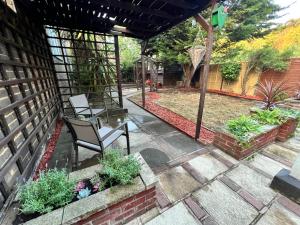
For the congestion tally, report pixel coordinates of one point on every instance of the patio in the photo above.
(51, 51)
(157, 141)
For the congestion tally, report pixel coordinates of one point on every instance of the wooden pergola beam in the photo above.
(181, 3)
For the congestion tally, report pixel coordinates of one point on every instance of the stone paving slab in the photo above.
(267, 165)
(177, 182)
(224, 205)
(182, 142)
(281, 152)
(255, 183)
(278, 215)
(208, 166)
(177, 215)
(292, 143)
(226, 156)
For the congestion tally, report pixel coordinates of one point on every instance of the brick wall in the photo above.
(124, 211)
(287, 129)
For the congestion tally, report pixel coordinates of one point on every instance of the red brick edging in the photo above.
(50, 148)
(123, 211)
(175, 120)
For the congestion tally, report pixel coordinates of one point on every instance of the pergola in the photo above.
(34, 87)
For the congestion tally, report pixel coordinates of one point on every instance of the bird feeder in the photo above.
(219, 16)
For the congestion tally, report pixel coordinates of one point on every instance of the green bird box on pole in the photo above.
(219, 16)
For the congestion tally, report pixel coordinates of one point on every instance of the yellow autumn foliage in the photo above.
(287, 36)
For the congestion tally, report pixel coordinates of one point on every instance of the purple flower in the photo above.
(96, 187)
(80, 185)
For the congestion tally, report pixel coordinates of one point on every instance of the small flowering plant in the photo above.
(80, 185)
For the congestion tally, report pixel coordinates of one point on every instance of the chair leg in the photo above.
(76, 155)
(107, 116)
(127, 139)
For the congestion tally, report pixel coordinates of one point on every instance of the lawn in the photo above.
(218, 108)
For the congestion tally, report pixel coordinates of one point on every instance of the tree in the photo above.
(266, 58)
(130, 51)
(250, 18)
(173, 45)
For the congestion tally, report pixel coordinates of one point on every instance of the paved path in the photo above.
(213, 188)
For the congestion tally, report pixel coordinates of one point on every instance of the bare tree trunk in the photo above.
(246, 78)
(187, 69)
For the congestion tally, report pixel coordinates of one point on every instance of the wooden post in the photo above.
(143, 80)
(143, 49)
(204, 70)
(118, 70)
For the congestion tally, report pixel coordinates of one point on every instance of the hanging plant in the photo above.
(230, 71)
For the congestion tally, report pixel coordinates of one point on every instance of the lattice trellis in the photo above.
(29, 99)
(85, 62)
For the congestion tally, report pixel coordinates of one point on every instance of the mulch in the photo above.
(178, 121)
(50, 148)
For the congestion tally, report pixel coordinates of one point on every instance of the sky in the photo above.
(293, 12)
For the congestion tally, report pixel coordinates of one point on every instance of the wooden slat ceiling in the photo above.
(136, 18)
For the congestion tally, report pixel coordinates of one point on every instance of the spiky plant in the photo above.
(271, 92)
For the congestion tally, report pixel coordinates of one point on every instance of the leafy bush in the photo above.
(51, 190)
(272, 117)
(271, 92)
(119, 169)
(230, 71)
(242, 127)
(290, 113)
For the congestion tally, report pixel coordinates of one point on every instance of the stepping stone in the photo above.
(178, 215)
(278, 215)
(208, 166)
(224, 205)
(253, 182)
(267, 165)
(281, 152)
(177, 182)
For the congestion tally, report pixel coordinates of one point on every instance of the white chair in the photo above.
(81, 107)
(87, 135)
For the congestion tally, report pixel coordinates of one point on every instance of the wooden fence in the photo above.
(291, 78)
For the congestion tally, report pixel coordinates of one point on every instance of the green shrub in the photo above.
(242, 127)
(230, 71)
(50, 191)
(271, 117)
(290, 113)
(119, 169)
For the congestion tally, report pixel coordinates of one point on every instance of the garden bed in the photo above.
(116, 205)
(229, 144)
(217, 110)
(244, 135)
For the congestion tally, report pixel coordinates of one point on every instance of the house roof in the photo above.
(135, 18)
